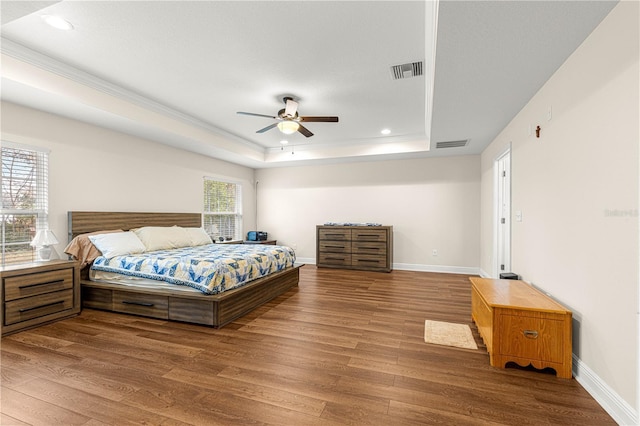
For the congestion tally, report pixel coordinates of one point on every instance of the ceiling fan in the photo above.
(289, 120)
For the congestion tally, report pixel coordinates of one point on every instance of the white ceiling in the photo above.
(178, 71)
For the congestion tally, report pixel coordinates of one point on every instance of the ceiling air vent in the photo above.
(452, 144)
(412, 69)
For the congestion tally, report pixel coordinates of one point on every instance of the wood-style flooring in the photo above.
(345, 347)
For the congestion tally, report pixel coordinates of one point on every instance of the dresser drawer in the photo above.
(532, 338)
(335, 259)
(37, 306)
(369, 248)
(335, 246)
(334, 234)
(38, 283)
(368, 262)
(369, 235)
(149, 305)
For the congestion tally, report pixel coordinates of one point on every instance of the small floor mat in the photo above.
(449, 334)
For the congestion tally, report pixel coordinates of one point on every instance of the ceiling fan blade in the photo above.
(320, 119)
(256, 115)
(291, 107)
(304, 131)
(269, 127)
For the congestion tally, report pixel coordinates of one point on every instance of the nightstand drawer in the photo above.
(148, 305)
(37, 306)
(37, 283)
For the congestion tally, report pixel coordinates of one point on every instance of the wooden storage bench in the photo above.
(520, 324)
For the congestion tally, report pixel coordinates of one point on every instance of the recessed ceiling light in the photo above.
(284, 142)
(385, 131)
(57, 22)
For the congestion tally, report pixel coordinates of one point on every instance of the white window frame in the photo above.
(39, 209)
(228, 223)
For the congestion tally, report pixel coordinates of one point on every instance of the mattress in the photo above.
(210, 269)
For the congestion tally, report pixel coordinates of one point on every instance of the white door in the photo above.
(503, 214)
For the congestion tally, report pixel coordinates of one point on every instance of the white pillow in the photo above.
(117, 244)
(198, 236)
(163, 237)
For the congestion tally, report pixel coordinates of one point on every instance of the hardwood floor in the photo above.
(345, 347)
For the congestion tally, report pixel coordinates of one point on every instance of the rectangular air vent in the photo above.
(452, 144)
(412, 69)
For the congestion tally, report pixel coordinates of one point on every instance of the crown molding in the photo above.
(22, 53)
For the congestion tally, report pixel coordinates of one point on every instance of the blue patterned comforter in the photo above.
(212, 268)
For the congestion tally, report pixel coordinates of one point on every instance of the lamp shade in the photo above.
(44, 238)
(288, 127)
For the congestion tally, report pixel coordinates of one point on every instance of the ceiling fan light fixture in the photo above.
(288, 127)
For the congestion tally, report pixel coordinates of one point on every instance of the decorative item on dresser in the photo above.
(355, 247)
(36, 293)
(520, 324)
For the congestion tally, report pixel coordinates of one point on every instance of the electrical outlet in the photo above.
(549, 114)
(434, 252)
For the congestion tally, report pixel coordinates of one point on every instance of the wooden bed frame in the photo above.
(199, 308)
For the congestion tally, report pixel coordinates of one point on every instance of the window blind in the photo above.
(24, 202)
(222, 208)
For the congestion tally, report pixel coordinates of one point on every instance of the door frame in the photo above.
(501, 242)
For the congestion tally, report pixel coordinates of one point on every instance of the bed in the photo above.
(169, 301)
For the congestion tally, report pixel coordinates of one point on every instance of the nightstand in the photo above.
(36, 293)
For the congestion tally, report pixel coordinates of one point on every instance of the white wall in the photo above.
(94, 169)
(431, 204)
(569, 185)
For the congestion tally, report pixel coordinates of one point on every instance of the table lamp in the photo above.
(43, 241)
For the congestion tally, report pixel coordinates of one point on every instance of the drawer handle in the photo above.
(368, 260)
(370, 248)
(23, 310)
(334, 258)
(129, 302)
(530, 334)
(338, 247)
(334, 235)
(37, 284)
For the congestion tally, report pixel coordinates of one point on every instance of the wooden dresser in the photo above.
(355, 247)
(520, 324)
(36, 293)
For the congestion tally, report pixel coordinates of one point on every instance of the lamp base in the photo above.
(44, 253)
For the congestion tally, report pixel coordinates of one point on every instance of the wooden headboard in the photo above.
(83, 222)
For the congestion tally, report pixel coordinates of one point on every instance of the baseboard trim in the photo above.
(619, 409)
(305, 261)
(467, 270)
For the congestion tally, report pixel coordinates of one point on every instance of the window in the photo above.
(222, 208)
(23, 206)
